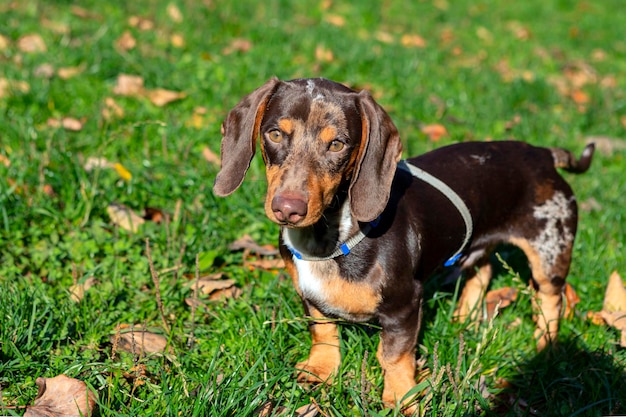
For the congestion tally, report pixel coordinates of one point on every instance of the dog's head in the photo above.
(316, 136)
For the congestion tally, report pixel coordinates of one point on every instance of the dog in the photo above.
(361, 229)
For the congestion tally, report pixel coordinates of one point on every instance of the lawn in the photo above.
(113, 107)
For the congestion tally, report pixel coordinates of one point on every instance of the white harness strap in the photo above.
(450, 195)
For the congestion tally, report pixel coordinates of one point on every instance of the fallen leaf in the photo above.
(174, 13)
(4, 42)
(616, 319)
(77, 291)
(122, 171)
(62, 396)
(5, 160)
(413, 41)
(177, 40)
(211, 157)
(323, 54)
(384, 37)
(141, 23)
(155, 215)
(9, 87)
(160, 97)
(434, 132)
(615, 295)
(96, 162)
(247, 243)
(129, 85)
(31, 43)
(111, 109)
(124, 217)
(83, 13)
(126, 42)
(500, 298)
(580, 97)
(70, 123)
(571, 299)
(308, 410)
(237, 45)
(335, 20)
(216, 286)
(69, 72)
(134, 339)
(595, 317)
(265, 264)
(607, 146)
(44, 71)
(590, 204)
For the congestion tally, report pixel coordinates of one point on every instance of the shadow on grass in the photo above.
(567, 380)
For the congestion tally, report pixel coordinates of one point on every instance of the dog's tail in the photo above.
(566, 160)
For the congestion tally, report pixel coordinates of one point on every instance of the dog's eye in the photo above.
(336, 146)
(275, 136)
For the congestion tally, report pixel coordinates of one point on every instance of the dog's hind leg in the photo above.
(549, 254)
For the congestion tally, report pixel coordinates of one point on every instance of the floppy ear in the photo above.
(240, 131)
(380, 152)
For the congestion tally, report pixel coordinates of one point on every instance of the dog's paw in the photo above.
(316, 372)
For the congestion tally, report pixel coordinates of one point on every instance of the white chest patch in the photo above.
(555, 236)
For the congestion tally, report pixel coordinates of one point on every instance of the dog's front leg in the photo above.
(396, 353)
(325, 357)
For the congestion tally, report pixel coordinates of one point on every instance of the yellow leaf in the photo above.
(69, 72)
(122, 171)
(32, 43)
(415, 41)
(160, 97)
(174, 13)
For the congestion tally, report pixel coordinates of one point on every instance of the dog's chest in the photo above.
(321, 283)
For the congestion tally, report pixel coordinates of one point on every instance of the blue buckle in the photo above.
(452, 260)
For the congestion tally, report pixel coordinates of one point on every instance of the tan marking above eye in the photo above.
(336, 146)
(275, 135)
(286, 125)
(328, 134)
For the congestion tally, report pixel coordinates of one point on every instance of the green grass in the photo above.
(489, 70)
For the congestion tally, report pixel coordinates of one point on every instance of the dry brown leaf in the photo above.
(4, 42)
(571, 299)
(124, 217)
(177, 40)
(111, 109)
(247, 243)
(413, 41)
(335, 20)
(323, 54)
(69, 72)
(5, 160)
(70, 123)
(308, 410)
(608, 146)
(434, 132)
(129, 85)
(8, 87)
(211, 157)
(615, 295)
(265, 264)
(141, 23)
(174, 13)
(62, 396)
(94, 162)
(126, 42)
(135, 340)
(216, 286)
(616, 319)
(384, 37)
(45, 70)
(160, 97)
(500, 298)
(31, 43)
(595, 317)
(269, 409)
(77, 291)
(237, 45)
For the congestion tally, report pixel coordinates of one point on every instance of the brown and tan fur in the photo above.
(331, 155)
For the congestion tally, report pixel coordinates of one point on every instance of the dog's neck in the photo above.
(336, 225)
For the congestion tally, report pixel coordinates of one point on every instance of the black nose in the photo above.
(289, 208)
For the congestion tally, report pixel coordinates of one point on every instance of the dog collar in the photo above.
(343, 249)
(450, 195)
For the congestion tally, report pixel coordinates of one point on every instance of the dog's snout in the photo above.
(289, 208)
